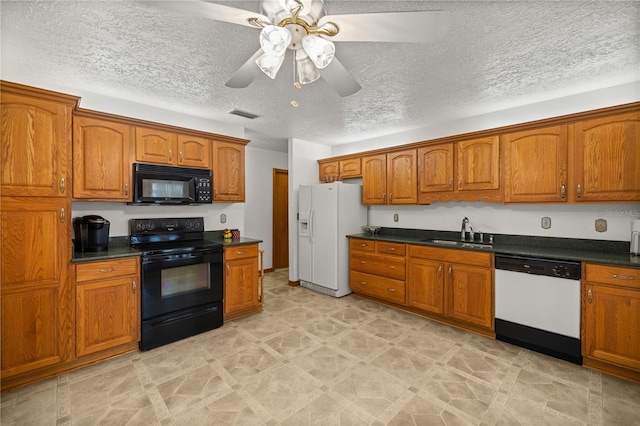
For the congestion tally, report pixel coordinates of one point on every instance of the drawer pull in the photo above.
(362, 283)
(623, 277)
(590, 295)
(391, 290)
(241, 252)
(391, 248)
(362, 262)
(391, 267)
(363, 245)
(112, 269)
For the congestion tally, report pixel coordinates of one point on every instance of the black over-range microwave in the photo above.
(154, 184)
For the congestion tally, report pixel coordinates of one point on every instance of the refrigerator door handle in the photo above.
(311, 226)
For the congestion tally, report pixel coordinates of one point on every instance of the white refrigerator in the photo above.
(327, 213)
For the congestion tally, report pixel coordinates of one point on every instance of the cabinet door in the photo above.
(374, 179)
(37, 305)
(228, 171)
(194, 151)
(350, 168)
(401, 177)
(101, 167)
(435, 168)
(36, 146)
(328, 168)
(155, 146)
(607, 158)
(535, 165)
(107, 314)
(469, 296)
(241, 285)
(612, 325)
(478, 164)
(425, 284)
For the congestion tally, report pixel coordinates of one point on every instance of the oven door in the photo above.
(172, 282)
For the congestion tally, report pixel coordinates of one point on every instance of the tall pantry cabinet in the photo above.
(36, 292)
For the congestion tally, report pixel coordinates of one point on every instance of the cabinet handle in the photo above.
(362, 282)
(623, 277)
(440, 270)
(134, 286)
(450, 183)
(228, 269)
(181, 156)
(62, 185)
(590, 295)
(450, 272)
(126, 189)
(391, 290)
(362, 262)
(563, 191)
(391, 197)
(170, 155)
(112, 269)
(241, 252)
(391, 248)
(363, 245)
(62, 215)
(460, 183)
(384, 197)
(579, 191)
(391, 267)
(215, 193)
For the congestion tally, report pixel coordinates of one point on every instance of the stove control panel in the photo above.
(159, 226)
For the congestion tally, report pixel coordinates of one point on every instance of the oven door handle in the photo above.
(170, 257)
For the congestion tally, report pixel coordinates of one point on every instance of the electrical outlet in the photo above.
(601, 225)
(546, 222)
(396, 217)
(223, 218)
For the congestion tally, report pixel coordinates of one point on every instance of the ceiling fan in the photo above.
(304, 27)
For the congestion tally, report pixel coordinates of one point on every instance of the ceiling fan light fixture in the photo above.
(305, 68)
(269, 64)
(274, 40)
(320, 51)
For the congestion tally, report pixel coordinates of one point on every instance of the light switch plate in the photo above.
(601, 225)
(546, 222)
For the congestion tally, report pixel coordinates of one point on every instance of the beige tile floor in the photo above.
(312, 359)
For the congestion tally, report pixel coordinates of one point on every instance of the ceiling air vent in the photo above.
(245, 114)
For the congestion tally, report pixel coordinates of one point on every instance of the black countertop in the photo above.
(580, 250)
(119, 247)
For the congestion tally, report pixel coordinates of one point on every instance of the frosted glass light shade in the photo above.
(320, 51)
(269, 64)
(274, 40)
(307, 71)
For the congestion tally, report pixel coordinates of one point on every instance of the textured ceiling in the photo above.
(496, 55)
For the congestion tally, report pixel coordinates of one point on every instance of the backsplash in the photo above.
(567, 221)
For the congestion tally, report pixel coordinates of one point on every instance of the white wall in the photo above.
(258, 214)
(303, 170)
(567, 221)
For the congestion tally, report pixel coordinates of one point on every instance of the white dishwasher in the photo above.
(537, 305)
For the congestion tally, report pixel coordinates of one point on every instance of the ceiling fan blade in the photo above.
(208, 10)
(246, 73)
(403, 27)
(336, 75)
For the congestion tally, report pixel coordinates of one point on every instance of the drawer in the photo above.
(241, 252)
(107, 269)
(386, 266)
(390, 248)
(382, 288)
(611, 274)
(361, 245)
(465, 257)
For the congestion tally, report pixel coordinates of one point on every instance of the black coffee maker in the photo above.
(91, 233)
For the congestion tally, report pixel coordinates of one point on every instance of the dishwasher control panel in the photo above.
(539, 266)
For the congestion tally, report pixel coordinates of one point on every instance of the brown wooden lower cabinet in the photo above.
(107, 305)
(241, 281)
(451, 286)
(611, 319)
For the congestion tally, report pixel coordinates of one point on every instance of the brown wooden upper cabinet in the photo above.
(390, 178)
(101, 160)
(164, 147)
(535, 165)
(347, 168)
(228, 171)
(464, 170)
(607, 159)
(35, 122)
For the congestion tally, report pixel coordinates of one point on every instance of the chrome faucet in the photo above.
(463, 232)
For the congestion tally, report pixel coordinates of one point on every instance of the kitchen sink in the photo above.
(458, 243)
